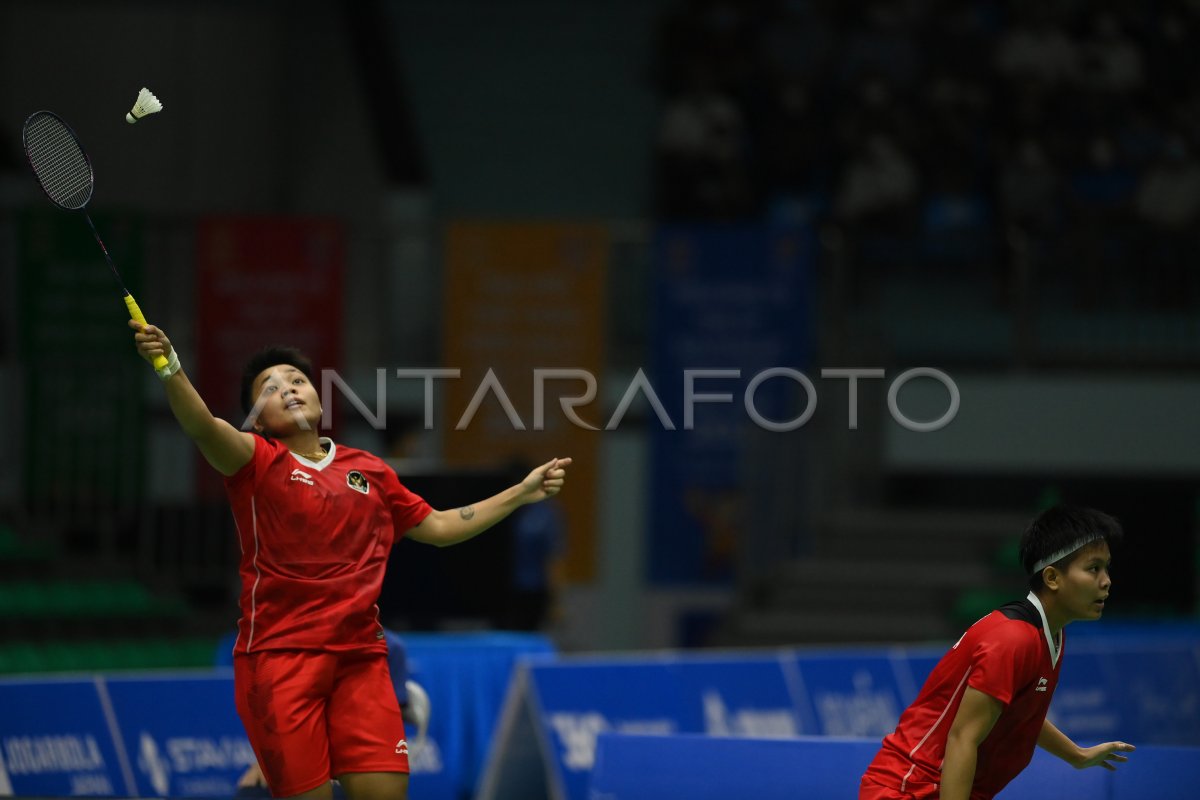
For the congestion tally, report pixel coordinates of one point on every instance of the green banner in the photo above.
(83, 381)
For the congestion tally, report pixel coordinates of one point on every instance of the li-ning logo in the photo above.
(1041, 687)
(402, 748)
(356, 481)
(300, 475)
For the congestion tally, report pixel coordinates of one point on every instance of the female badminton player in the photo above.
(974, 725)
(316, 521)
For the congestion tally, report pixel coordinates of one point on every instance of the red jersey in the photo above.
(1009, 655)
(315, 539)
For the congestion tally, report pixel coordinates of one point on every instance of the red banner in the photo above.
(263, 281)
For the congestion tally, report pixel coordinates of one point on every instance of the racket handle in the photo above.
(136, 315)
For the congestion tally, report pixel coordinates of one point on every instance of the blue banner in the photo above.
(579, 700)
(465, 676)
(647, 767)
(55, 741)
(1138, 691)
(730, 304)
(183, 734)
(1145, 692)
(851, 694)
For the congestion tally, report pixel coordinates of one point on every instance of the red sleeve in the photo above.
(1002, 662)
(264, 451)
(408, 509)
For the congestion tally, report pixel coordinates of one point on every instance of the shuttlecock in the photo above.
(146, 105)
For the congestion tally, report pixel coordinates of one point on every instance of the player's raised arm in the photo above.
(224, 447)
(977, 714)
(443, 528)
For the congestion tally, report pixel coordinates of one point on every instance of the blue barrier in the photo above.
(672, 694)
(55, 740)
(182, 733)
(466, 676)
(633, 767)
(178, 734)
(1146, 691)
(134, 735)
(646, 767)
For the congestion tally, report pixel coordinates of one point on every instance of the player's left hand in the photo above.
(1105, 755)
(545, 481)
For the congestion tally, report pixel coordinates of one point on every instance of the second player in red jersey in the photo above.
(982, 711)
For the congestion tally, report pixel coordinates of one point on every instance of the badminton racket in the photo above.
(65, 174)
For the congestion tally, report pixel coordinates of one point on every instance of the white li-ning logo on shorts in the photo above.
(402, 748)
(1041, 687)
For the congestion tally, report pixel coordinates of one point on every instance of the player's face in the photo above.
(287, 401)
(1086, 583)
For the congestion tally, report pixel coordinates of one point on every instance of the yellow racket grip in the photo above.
(136, 315)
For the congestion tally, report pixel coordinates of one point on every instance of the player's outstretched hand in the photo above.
(151, 341)
(545, 481)
(1106, 755)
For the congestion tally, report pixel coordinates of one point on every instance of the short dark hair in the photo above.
(269, 357)
(1059, 527)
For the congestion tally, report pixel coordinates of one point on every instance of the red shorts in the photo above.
(869, 790)
(312, 715)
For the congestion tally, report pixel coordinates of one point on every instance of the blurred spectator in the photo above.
(703, 163)
(1037, 49)
(1030, 188)
(879, 185)
(1168, 200)
(922, 127)
(1109, 61)
(1169, 194)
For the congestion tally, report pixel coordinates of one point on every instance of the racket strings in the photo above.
(58, 161)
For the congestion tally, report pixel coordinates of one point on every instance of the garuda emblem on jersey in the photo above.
(357, 481)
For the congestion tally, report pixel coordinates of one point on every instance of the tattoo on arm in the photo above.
(467, 512)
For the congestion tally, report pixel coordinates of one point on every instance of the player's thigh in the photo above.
(366, 731)
(322, 792)
(282, 701)
(375, 785)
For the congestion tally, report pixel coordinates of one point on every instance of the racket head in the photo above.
(58, 161)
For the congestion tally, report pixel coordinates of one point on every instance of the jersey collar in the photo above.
(330, 448)
(1055, 646)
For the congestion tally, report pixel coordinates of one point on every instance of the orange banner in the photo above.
(524, 322)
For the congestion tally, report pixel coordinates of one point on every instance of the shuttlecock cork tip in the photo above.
(145, 105)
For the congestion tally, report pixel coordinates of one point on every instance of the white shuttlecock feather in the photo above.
(146, 105)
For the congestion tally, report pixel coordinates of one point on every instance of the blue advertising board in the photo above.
(642, 767)
(56, 741)
(1137, 691)
(465, 676)
(182, 733)
(649, 767)
(575, 701)
(851, 694)
(1143, 691)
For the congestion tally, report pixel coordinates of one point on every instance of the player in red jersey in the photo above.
(974, 725)
(316, 522)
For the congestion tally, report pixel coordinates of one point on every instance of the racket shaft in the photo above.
(136, 315)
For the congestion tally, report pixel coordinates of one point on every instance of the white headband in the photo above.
(1066, 551)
